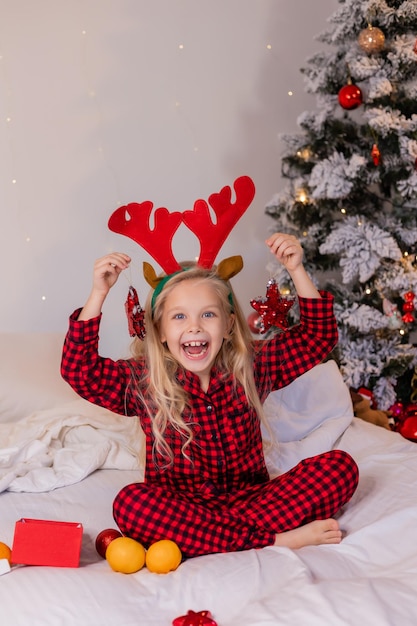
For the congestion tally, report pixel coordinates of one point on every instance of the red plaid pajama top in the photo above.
(220, 498)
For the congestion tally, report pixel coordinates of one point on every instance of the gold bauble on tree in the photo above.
(371, 39)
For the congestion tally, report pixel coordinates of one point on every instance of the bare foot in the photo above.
(313, 534)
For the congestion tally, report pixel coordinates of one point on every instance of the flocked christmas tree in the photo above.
(350, 191)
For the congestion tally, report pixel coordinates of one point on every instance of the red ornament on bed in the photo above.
(408, 428)
(104, 539)
(273, 308)
(202, 618)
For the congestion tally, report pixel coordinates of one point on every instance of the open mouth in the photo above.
(195, 349)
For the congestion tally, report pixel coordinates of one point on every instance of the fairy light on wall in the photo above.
(185, 120)
(9, 123)
(91, 93)
(91, 112)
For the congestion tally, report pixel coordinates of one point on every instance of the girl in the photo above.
(197, 383)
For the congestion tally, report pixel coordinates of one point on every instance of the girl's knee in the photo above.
(348, 465)
(346, 470)
(339, 466)
(127, 506)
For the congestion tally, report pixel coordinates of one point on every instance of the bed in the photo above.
(64, 459)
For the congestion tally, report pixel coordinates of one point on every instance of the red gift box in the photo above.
(45, 542)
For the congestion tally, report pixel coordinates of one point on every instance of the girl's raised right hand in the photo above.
(107, 270)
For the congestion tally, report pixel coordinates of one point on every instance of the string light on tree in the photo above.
(305, 154)
(301, 196)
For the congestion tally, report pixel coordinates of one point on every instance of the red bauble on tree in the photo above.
(255, 323)
(408, 307)
(405, 417)
(350, 96)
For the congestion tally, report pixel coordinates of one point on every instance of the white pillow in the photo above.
(30, 378)
(306, 417)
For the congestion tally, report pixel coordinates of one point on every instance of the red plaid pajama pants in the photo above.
(316, 488)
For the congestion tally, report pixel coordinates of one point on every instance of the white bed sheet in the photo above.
(369, 579)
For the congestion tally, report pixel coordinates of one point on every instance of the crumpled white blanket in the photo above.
(61, 446)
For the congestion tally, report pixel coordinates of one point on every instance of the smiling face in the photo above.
(194, 325)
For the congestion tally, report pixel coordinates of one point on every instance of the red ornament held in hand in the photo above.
(273, 309)
(135, 314)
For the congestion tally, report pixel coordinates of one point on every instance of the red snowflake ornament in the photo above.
(273, 308)
(135, 314)
(202, 618)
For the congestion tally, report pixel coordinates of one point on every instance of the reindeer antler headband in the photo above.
(132, 220)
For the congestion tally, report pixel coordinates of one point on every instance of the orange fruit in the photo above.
(5, 552)
(163, 556)
(125, 555)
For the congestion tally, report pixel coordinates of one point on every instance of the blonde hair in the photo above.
(164, 398)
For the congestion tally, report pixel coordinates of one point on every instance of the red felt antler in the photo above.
(132, 220)
(212, 235)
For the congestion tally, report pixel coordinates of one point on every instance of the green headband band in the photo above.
(161, 285)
